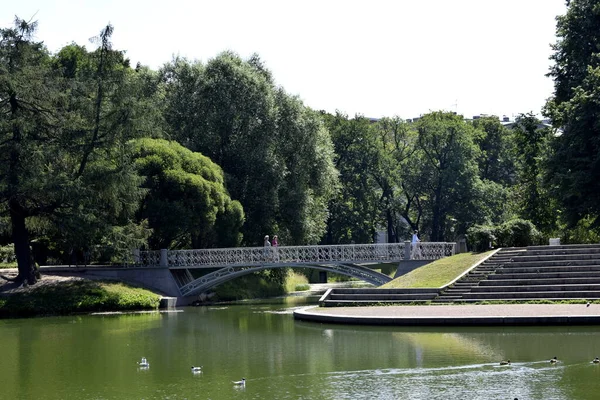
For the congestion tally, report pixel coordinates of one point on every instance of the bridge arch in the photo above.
(226, 274)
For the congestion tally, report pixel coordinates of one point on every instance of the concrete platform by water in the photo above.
(455, 315)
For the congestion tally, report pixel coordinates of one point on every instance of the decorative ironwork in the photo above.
(342, 259)
(248, 256)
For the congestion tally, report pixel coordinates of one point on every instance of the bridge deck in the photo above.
(294, 255)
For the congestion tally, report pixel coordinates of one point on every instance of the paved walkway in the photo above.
(495, 314)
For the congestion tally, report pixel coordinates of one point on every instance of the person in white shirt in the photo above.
(415, 247)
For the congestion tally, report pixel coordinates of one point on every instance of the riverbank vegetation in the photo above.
(77, 296)
(437, 273)
(101, 157)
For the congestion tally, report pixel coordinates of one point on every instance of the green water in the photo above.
(94, 357)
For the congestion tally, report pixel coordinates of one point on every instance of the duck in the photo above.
(553, 360)
(596, 360)
(240, 383)
(144, 363)
(503, 362)
(196, 369)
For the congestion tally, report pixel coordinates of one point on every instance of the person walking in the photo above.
(267, 248)
(275, 248)
(415, 246)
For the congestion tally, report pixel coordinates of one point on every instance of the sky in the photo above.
(376, 58)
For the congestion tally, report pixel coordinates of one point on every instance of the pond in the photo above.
(95, 357)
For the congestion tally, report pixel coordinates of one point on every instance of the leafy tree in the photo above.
(62, 129)
(186, 200)
(533, 202)
(354, 212)
(400, 208)
(306, 165)
(274, 152)
(574, 166)
(496, 158)
(447, 171)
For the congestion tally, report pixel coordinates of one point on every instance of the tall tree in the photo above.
(62, 130)
(354, 211)
(447, 170)
(533, 202)
(274, 152)
(574, 167)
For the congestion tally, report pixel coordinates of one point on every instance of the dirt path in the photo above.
(7, 288)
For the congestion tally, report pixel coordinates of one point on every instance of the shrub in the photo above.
(480, 237)
(517, 233)
(7, 254)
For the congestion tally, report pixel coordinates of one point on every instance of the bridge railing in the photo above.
(248, 256)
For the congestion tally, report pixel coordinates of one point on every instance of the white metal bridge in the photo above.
(229, 263)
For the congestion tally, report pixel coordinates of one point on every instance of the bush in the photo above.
(517, 233)
(7, 255)
(480, 237)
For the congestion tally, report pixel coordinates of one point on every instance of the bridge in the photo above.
(226, 264)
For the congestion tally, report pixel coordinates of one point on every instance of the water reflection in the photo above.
(95, 357)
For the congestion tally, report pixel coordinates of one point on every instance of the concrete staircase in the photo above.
(339, 297)
(531, 273)
(512, 274)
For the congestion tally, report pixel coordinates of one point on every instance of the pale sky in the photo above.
(375, 58)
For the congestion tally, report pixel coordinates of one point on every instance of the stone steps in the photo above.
(514, 274)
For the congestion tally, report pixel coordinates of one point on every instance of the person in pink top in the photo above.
(275, 243)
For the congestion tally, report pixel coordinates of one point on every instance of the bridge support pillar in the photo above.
(164, 260)
(407, 250)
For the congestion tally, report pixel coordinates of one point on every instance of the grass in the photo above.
(296, 282)
(437, 273)
(78, 297)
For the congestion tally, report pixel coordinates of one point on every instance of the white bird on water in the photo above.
(240, 383)
(196, 369)
(144, 363)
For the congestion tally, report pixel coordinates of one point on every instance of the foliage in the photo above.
(481, 237)
(252, 286)
(186, 198)
(532, 199)
(65, 173)
(573, 169)
(7, 254)
(296, 282)
(447, 168)
(580, 233)
(275, 153)
(437, 273)
(517, 233)
(354, 210)
(76, 297)
(496, 158)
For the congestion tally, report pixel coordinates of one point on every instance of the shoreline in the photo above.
(455, 315)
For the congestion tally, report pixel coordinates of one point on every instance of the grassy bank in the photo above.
(437, 273)
(78, 296)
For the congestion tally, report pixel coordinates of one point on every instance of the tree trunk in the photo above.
(20, 238)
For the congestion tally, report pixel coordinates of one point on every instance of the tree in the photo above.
(354, 211)
(400, 208)
(447, 170)
(186, 202)
(63, 126)
(274, 151)
(533, 203)
(573, 169)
